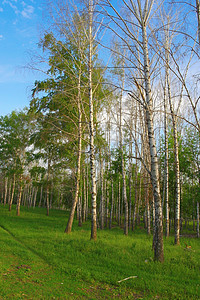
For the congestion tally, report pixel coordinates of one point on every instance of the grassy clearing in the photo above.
(39, 261)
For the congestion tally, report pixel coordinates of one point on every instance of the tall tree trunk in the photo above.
(166, 164)
(9, 191)
(148, 218)
(158, 246)
(78, 172)
(35, 197)
(136, 190)
(176, 156)
(41, 192)
(91, 125)
(5, 190)
(79, 208)
(130, 176)
(112, 205)
(19, 195)
(177, 174)
(107, 203)
(102, 205)
(124, 193)
(198, 219)
(47, 195)
(119, 203)
(12, 193)
(51, 197)
(85, 196)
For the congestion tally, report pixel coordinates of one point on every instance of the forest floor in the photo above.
(39, 261)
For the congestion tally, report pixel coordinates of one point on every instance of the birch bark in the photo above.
(91, 126)
(78, 172)
(5, 190)
(198, 219)
(12, 193)
(158, 246)
(19, 196)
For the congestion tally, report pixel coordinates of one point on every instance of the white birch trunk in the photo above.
(19, 196)
(5, 190)
(177, 172)
(12, 193)
(35, 197)
(166, 164)
(198, 219)
(91, 125)
(85, 196)
(119, 203)
(112, 206)
(41, 192)
(158, 246)
(78, 172)
(102, 204)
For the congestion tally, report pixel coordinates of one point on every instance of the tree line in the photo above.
(112, 132)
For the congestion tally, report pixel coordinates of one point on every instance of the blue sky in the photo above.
(19, 34)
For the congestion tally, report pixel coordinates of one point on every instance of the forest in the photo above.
(112, 133)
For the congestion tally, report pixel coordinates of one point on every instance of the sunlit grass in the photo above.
(40, 261)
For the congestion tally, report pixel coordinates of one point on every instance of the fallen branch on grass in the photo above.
(127, 278)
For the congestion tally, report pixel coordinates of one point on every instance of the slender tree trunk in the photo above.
(136, 192)
(166, 164)
(87, 192)
(124, 193)
(112, 205)
(198, 219)
(41, 192)
(5, 190)
(19, 196)
(51, 197)
(78, 173)
(107, 203)
(119, 203)
(177, 174)
(35, 197)
(176, 156)
(47, 200)
(9, 192)
(12, 193)
(91, 125)
(47, 195)
(79, 208)
(102, 204)
(85, 196)
(139, 200)
(130, 177)
(158, 246)
(148, 218)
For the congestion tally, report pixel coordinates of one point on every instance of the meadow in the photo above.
(39, 261)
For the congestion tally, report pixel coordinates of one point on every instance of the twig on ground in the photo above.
(127, 278)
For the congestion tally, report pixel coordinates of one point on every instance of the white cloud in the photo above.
(21, 8)
(1, 9)
(1, 36)
(14, 7)
(27, 11)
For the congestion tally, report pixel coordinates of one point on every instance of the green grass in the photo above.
(39, 261)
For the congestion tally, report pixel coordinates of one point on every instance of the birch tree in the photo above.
(140, 12)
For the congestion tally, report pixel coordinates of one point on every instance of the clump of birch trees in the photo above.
(112, 133)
